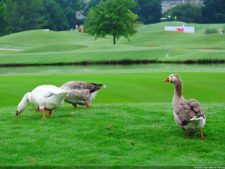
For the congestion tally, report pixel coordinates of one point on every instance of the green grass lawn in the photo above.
(109, 134)
(129, 124)
(150, 42)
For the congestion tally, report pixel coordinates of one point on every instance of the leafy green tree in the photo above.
(93, 3)
(186, 12)
(112, 17)
(24, 14)
(90, 4)
(69, 8)
(3, 17)
(56, 18)
(214, 11)
(20, 15)
(61, 14)
(149, 11)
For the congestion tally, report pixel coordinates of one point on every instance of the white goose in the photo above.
(45, 97)
(188, 114)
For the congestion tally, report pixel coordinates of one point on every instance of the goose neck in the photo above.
(178, 89)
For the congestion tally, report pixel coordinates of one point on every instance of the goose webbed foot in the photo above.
(50, 113)
(201, 134)
(189, 132)
(87, 104)
(37, 110)
(74, 106)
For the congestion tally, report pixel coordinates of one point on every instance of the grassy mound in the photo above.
(151, 43)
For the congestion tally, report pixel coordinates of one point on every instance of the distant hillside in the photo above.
(150, 43)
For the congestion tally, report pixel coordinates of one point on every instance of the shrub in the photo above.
(211, 31)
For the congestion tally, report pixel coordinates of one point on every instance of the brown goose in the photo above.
(187, 113)
(81, 93)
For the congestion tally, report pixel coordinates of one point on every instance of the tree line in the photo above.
(21, 15)
(213, 11)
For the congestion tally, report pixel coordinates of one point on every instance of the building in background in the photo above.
(167, 4)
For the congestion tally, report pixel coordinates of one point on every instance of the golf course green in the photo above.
(150, 42)
(130, 123)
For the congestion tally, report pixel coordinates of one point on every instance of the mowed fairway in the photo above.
(150, 42)
(129, 124)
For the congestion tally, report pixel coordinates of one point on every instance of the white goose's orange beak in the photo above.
(167, 80)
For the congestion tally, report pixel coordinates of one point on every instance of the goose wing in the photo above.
(78, 96)
(189, 110)
(47, 90)
(92, 87)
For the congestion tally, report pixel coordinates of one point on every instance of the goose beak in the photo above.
(167, 80)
